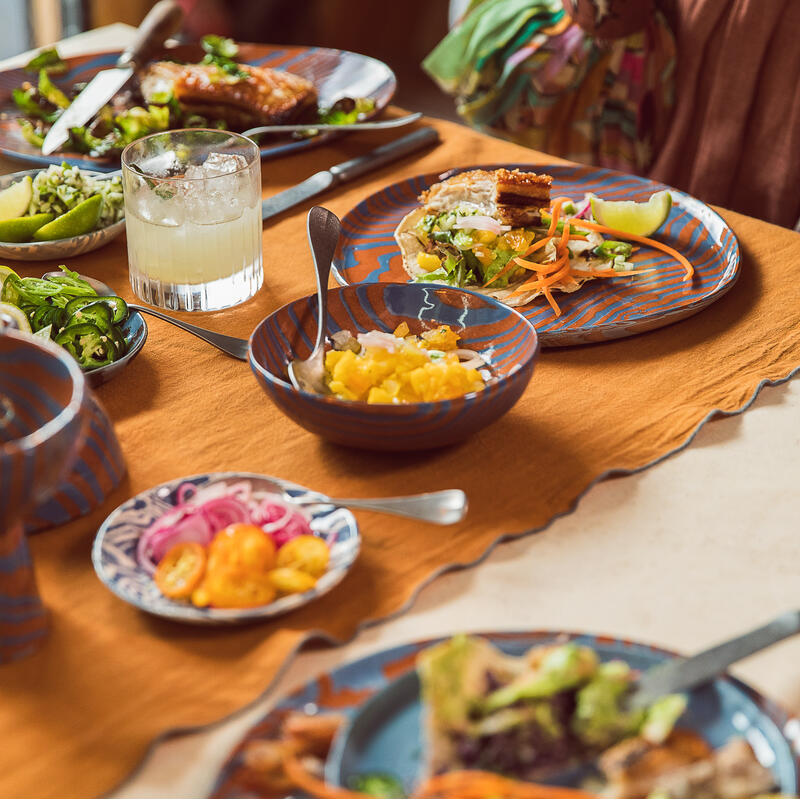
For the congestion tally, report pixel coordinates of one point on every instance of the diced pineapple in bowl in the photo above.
(408, 367)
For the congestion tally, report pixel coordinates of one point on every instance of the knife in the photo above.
(162, 21)
(348, 170)
(680, 674)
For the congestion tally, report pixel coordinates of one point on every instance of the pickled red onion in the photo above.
(201, 513)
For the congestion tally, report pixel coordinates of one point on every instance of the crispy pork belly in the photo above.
(512, 197)
(266, 97)
(684, 766)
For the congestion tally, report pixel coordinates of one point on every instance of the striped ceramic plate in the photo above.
(335, 73)
(380, 702)
(601, 309)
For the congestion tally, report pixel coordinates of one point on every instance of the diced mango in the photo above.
(402, 330)
(404, 375)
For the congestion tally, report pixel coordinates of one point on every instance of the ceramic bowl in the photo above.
(42, 392)
(59, 248)
(499, 333)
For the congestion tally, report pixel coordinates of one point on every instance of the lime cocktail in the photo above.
(193, 218)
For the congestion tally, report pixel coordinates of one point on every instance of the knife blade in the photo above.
(348, 170)
(681, 674)
(162, 21)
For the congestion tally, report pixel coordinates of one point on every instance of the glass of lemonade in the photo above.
(193, 218)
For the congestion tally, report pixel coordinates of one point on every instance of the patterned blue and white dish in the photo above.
(114, 553)
(59, 248)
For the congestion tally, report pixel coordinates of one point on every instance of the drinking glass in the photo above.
(193, 218)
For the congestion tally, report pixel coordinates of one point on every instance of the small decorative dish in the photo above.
(504, 340)
(121, 558)
(57, 248)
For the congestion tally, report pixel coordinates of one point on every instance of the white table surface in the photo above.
(697, 549)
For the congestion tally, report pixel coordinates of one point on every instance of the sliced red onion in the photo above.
(583, 207)
(201, 513)
(479, 222)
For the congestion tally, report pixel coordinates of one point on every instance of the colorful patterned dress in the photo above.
(588, 80)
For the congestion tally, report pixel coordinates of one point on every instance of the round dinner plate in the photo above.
(114, 552)
(383, 734)
(601, 309)
(334, 73)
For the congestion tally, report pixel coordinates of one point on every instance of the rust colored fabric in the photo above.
(734, 139)
(76, 717)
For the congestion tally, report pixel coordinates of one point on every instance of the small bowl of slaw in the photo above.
(498, 335)
(58, 189)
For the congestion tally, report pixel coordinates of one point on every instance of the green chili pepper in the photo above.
(97, 313)
(117, 305)
(88, 345)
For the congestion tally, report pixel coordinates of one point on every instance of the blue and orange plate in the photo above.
(379, 696)
(602, 309)
(334, 73)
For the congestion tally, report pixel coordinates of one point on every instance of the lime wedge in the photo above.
(82, 219)
(14, 200)
(641, 219)
(17, 316)
(22, 229)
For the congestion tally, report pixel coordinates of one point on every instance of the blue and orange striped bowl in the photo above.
(42, 392)
(499, 333)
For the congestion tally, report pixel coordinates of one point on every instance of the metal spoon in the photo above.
(231, 345)
(441, 508)
(353, 126)
(324, 230)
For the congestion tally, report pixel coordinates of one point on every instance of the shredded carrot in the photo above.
(560, 270)
(478, 784)
(556, 214)
(536, 246)
(665, 248)
(550, 299)
(550, 272)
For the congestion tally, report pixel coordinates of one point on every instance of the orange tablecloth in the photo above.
(76, 717)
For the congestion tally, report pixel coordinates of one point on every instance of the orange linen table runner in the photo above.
(77, 717)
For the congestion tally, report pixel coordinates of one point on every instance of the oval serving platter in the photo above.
(335, 74)
(114, 553)
(601, 309)
(381, 701)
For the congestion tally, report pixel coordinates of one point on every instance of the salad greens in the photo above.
(68, 310)
(459, 255)
(221, 52)
(541, 710)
